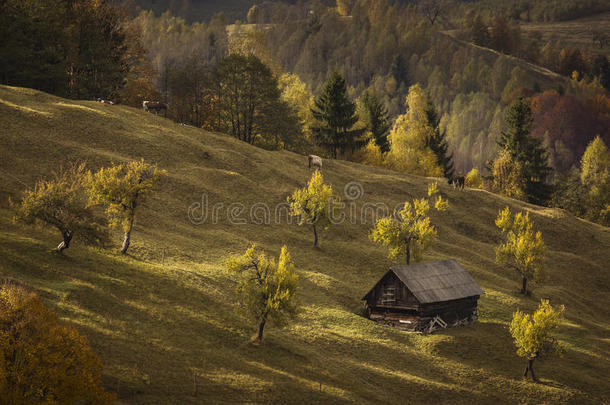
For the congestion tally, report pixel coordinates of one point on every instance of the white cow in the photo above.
(315, 162)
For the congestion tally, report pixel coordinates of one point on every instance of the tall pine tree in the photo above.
(437, 142)
(527, 150)
(336, 115)
(399, 69)
(377, 121)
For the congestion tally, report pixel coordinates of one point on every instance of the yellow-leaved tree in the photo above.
(266, 290)
(508, 177)
(62, 203)
(43, 360)
(312, 204)
(298, 96)
(409, 230)
(521, 248)
(534, 335)
(595, 177)
(122, 189)
(408, 151)
(473, 179)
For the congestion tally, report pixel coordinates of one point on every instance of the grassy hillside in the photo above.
(575, 33)
(169, 333)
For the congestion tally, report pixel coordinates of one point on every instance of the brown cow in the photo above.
(155, 106)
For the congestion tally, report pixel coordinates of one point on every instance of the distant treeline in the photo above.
(539, 10)
(203, 10)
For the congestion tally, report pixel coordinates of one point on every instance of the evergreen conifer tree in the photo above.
(398, 69)
(437, 142)
(377, 121)
(527, 150)
(336, 115)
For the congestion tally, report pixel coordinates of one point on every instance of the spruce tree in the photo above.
(437, 142)
(336, 115)
(527, 150)
(601, 70)
(377, 121)
(398, 69)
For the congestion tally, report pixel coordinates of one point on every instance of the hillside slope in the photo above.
(580, 33)
(169, 333)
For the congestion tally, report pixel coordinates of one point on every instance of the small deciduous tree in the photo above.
(248, 101)
(409, 150)
(41, 359)
(409, 230)
(433, 9)
(267, 290)
(253, 14)
(534, 334)
(473, 179)
(122, 189)
(344, 7)
(312, 203)
(521, 247)
(297, 95)
(595, 179)
(62, 203)
(508, 176)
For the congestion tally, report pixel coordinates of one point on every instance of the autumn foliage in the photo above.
(41, 359)
(567, 125)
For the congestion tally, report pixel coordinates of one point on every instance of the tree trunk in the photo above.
(315, 236)
(67, 235)
(530, 368)
(408, 252)
(523, 285)
(261, 327)
(127, 239)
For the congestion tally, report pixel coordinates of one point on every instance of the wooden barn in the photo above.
(424, 296)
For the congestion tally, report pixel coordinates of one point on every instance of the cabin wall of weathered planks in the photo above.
(406, 313)
(450, 311)
(391, 292)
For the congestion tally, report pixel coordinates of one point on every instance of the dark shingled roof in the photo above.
(443, 280)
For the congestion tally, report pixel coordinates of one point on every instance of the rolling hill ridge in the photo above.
(162, 318)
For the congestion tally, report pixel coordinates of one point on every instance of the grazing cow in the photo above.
(155, 106)
(315, 162)
(100, 100)
(457, 182)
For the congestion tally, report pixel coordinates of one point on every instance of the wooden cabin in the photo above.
(424, 296)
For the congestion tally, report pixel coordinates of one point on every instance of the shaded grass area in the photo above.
(170, 333)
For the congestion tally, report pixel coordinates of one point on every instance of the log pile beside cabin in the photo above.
(424, 296)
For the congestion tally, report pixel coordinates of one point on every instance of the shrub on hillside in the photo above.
(41, 359)
(473, 179)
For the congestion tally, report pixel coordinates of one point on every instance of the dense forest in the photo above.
(525, 10)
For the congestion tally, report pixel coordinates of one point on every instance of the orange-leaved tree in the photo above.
(43, 360)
